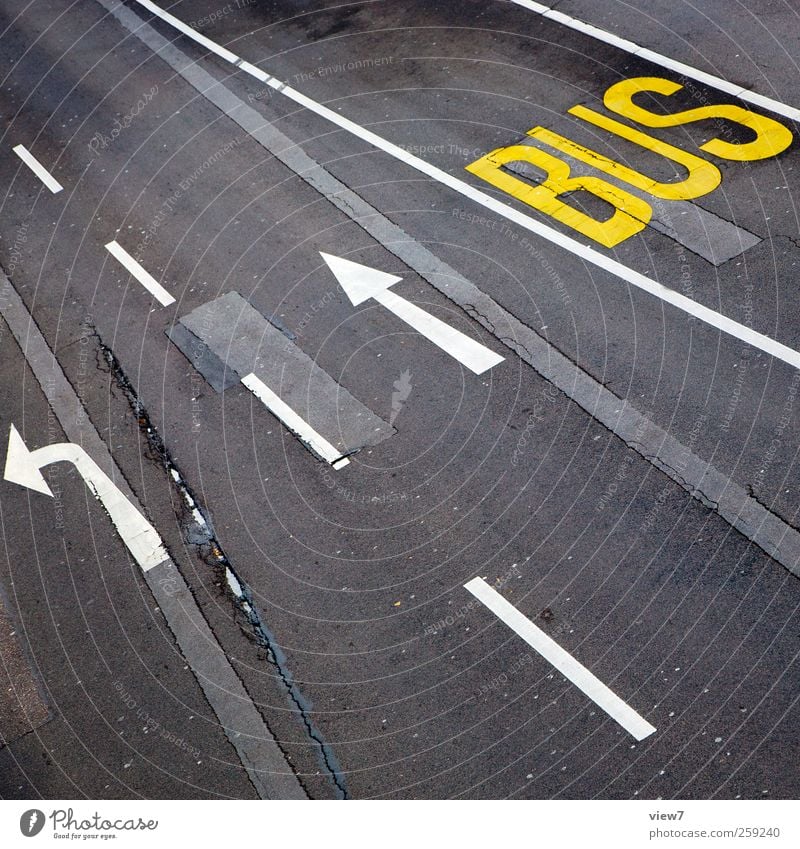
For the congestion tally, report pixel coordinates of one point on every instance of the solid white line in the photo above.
(215, 48)
(363, 283)
(711, 80)
(38, 169)
(586, 253)
(295, 423)
(563, 661)
(147, 280)
(687, 305)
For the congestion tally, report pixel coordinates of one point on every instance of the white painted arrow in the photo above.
(360, 283)
(23, 468)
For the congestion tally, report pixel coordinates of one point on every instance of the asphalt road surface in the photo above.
(496, 499)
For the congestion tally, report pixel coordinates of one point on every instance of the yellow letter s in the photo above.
(771, 137)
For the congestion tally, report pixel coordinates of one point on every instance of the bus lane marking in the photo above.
(584, 252)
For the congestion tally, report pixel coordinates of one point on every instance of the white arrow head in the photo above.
(21, 468)
(360, 282)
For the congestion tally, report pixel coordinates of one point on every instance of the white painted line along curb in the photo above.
(145, 278)
(23, 468)
(38, 169)
(563, 661)
(746, 94)
(295, 423)
(584, 252)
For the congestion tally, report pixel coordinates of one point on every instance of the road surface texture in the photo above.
(561, 356)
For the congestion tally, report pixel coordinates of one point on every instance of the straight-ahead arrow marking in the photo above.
(362, 283)
(23, 467)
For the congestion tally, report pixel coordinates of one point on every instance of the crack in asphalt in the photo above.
(198, 532)
(792, 239)
(764, 506)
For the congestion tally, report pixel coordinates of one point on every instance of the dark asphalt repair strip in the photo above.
(693, 474)
(266, 765)
(201, 533)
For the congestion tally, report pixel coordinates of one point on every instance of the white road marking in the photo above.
(584, 252)
(701, 480)
(295, 423)
(145, 278)
(562, 660)
(23, 468)
(362, 283)
(244, 726)
(215, 48)
(38, 169)
(711, 80)
(253, 70)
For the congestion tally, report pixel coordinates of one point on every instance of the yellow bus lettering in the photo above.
(703, 176)
(631, 214)
(771, 137)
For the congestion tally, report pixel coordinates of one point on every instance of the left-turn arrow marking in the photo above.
(23, 467)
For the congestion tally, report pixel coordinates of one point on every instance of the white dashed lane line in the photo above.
(145, 278)
(738, 91)
(296, 424)
(587, 254)
(362, 283)
(38, 169)
(562, 660)
(229, 336)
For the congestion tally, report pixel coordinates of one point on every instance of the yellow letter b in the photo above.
(631, 214)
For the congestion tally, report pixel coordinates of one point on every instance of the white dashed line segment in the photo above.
(701, 480)
(38, 169)
(562, 660)
(144, 277)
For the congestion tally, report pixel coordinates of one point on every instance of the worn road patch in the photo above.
(22, 707)
(244, 342)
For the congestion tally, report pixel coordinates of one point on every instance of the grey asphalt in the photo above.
(377, 672)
